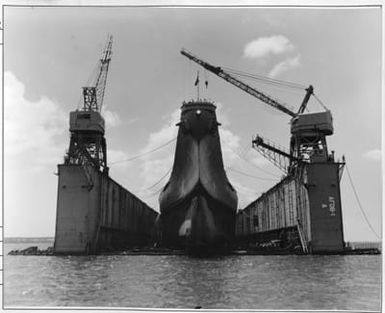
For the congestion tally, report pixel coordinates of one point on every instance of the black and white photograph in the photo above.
(195, 156)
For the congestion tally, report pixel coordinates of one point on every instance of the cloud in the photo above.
(112, 118)
(156, 164)
(33, 130)
(222, 114)
(230, 144)
(259, 160)
(265, 46)
(373, 155)
(289, 63)
(117, 157)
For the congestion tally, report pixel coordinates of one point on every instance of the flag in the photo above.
(197, 80)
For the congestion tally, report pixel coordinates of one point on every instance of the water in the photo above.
(233, 282)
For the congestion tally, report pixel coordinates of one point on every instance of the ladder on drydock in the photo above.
(291, 208)
(88, 175)
(302, 238)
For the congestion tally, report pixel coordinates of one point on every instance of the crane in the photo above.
(93, 95)
(87, 143)
(308, 130)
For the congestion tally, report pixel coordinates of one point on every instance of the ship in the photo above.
(198, 204)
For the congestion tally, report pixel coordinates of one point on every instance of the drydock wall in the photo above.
(323, 186)
(278, 209)
(94, 213)
(308, 202)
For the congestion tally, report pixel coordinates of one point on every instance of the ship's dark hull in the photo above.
(198, 204)
(199, 223)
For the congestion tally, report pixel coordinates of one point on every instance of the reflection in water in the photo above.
(244, 282)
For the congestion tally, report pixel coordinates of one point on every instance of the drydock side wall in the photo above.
(323, 185)
(308, 202)
(94, 213)
(275, 211)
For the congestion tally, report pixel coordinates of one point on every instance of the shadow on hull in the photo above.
(198, 204)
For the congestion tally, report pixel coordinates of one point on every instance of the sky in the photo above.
(50, 53)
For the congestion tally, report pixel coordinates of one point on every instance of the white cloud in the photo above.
(374, 155)
(289, 63)
(259, 160)
(112, 118)
(230, 146)
(33, 130)
(265, 46)
(158, 163)
(222, 115)
(117, 157)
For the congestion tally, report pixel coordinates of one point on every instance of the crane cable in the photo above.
(243, 157)
(359, 204)
(320, 102)
(276, 82)
(266, 79)
(144, 153)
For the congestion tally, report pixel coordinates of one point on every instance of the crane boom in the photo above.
(309, 92)
(94, 95)
(277, 156)
(250, 90)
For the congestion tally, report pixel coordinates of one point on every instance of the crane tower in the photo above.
(87, 142)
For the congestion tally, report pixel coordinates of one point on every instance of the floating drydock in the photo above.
(198, 204)
(96, 214)
(303, 211)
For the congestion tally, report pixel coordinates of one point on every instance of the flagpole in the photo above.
(198, 90)
(197, 84)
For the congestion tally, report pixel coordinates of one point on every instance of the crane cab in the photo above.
(86, 121)
(309, 133)
(318, 123)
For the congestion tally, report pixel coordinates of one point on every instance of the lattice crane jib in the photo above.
(87, 126)
(277, 155)
(93, 95)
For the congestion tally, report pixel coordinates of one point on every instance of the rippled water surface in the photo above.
(242, 282)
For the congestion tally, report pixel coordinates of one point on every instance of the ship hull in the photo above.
(198, 224)
(198, 204)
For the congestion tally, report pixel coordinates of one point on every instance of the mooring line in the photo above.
(144, 153)
(248, 175)
(359, 204)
